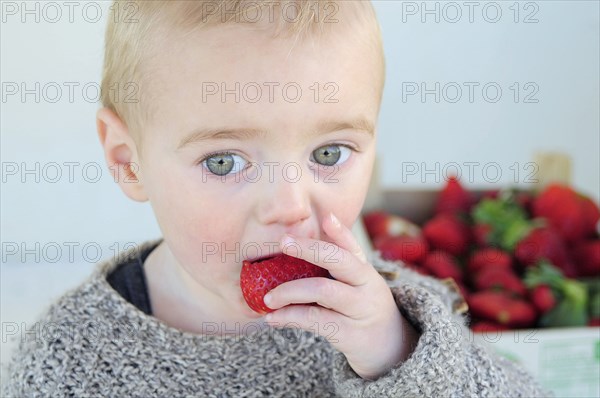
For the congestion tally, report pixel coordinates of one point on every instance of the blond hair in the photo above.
(137, 27)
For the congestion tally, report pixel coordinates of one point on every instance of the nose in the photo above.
(284, 202)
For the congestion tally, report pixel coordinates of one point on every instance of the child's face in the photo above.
(212, 223)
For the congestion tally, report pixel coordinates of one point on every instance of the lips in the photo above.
(258, 259)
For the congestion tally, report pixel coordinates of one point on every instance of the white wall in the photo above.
(558, 55)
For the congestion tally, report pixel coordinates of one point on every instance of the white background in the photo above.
(558, 56)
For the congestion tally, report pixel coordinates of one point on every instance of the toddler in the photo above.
(251, 129)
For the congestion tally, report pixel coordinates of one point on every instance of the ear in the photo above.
(120, 152)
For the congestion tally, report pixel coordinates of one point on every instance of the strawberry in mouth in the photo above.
(261, 275)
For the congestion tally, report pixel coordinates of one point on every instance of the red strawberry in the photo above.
(525, 200)
(448, 233)
(258, 278)
(381, 224)
(489, 257)
(594, 322)
(591, 216)
(542, 243)
(570, 270)
(376, 223)
(453, 198)
(487, 326)
(502, 278)
(501, 307)
(552, 196)
(442, 265)
(542, 298)
(481, 233)
(587, 258)
(562, 207)
(405, 248)
(491, 194)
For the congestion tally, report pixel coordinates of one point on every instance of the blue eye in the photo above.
(222, 163)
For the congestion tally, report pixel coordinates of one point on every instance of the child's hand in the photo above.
(356, 312)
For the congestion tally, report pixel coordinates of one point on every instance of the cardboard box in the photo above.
(564, 360)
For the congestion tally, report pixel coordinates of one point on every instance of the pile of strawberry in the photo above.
(521, 259)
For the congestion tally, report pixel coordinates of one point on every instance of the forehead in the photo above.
(246, 77)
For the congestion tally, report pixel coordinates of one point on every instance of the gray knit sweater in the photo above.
(94, 343)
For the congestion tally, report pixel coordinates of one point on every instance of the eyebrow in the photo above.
(242, 134)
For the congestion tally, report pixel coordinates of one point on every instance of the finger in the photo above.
(343, 237)
(341, 264)
(327, 293)
(312, 318)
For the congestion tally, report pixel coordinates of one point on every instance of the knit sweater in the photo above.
(94, 343)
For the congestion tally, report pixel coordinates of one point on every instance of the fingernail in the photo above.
(335, 221)
(287, 241)
(267, 299)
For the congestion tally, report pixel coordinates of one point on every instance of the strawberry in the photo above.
(542, 243)
(446, 232)
(259, 277)
(442, 265)
(481, 234)
(525, 200)
(490, 194)
(453, 198)
(501, 307)
(381, 224)
(376, 223)
(489, 257)
(487, 326)
(501, 278)
(542, 298)
(553, 196)
(591, 216)
(587, 258)
(405, 248)
(594, 322)
(563, 208)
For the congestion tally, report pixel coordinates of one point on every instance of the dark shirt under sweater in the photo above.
(129, 280)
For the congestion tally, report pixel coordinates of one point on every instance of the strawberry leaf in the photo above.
(544, 274)
(571, 309)
(508, 221)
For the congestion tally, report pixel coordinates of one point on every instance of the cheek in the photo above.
(196, 219)
(353, 187)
